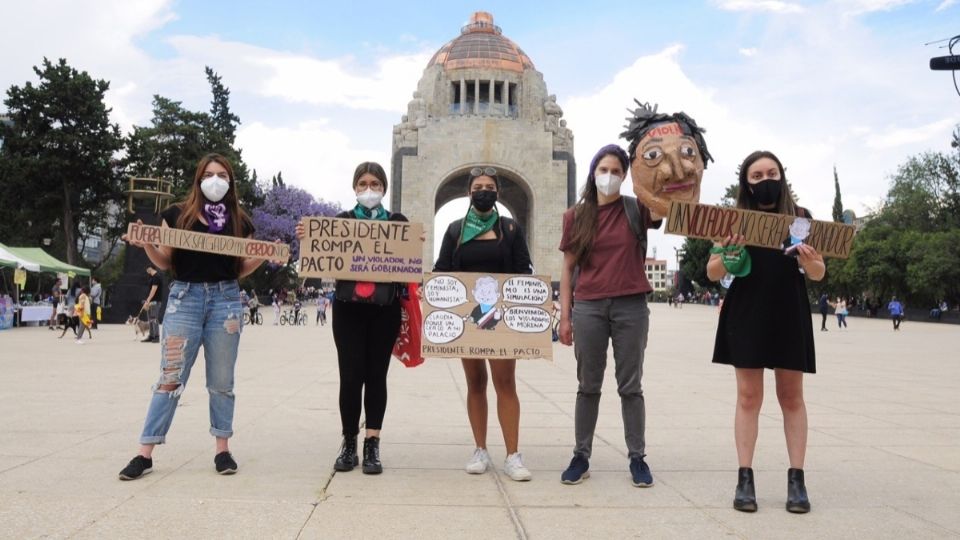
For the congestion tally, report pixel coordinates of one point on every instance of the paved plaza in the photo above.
(883, 458)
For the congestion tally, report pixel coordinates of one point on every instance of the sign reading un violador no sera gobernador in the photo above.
(362, 250)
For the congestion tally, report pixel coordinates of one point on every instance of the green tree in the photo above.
(837, 203)
(177, 138)
(57, 159)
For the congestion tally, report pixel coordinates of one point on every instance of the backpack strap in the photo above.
(632, 210)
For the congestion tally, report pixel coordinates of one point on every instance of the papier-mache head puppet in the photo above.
(667, 157)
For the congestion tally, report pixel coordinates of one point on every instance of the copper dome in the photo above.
(481, 44)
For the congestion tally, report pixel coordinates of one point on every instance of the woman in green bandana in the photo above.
(484, 241)
(765, 323)
(366, 320)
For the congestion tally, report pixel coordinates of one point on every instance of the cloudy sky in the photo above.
(319, 85)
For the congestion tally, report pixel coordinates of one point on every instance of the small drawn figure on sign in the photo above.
(799, 231)
(486, 315)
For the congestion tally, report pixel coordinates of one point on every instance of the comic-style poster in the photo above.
(471, 315)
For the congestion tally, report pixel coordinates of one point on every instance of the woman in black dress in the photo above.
(765, 322)
(486, 242)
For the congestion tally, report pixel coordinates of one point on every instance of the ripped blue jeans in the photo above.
(208, 314)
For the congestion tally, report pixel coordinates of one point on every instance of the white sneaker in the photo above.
(479, 462)
(79, 342)
(513, 467)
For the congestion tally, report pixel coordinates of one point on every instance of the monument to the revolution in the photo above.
(481, 102)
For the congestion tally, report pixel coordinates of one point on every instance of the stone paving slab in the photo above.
(883, 459)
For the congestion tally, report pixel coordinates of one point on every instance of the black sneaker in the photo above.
(137, 467)
(640, 472)
(225, 463)
(577, 471)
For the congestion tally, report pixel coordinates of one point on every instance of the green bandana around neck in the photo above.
(735, 259)
(474, 224)
(378, 212)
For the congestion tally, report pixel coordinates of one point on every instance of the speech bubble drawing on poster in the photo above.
(442, 327)
(445, 292)
(530, 320)
(526, 290)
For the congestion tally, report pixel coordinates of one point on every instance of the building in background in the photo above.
(657, 274)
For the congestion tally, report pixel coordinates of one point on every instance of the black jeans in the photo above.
(365, 335)
(823, 324)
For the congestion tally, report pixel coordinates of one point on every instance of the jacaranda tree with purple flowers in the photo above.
(276, 219)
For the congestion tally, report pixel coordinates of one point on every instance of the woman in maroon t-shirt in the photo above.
(607, 253)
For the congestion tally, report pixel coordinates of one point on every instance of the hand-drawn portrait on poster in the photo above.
(471, 315)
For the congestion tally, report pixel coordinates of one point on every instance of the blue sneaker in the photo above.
(577, 471)
(640, 472)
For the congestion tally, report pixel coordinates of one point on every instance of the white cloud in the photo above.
(312, 155)
(857, 7)
(894, 137)
(771, 6)
(748, 52)
(946, 4)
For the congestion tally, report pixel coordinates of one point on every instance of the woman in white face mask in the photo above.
(203, 309)
(366, 321)
(605, 242)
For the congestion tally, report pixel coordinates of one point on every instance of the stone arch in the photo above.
(515, 193)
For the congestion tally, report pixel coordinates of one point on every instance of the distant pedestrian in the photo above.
(896, 312)
(823, 304)
(96, 297)
(152, 304)
(841, 311)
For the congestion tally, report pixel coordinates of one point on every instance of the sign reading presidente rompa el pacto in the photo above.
(762, 229)
(362, 250)
(495, 316)
(220, 244)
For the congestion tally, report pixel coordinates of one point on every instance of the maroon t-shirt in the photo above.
(615, 265)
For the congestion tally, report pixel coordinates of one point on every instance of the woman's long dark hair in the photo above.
(586, 209)
(785, 204)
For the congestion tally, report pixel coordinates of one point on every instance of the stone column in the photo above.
(463, 95)
(476, 96)
(505, 98)
(493, 95)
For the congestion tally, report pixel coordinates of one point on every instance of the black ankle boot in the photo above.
(797, 501)
(347, 459)
(371, 456)
(745, 500)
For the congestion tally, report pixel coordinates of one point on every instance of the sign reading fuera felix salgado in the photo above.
(220, 244)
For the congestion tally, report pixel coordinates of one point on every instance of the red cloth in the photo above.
(407, 347)
(615, 266)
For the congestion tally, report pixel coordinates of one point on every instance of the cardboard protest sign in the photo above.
(362, 250)
(209, 243)
(471, 315)
(762, 229)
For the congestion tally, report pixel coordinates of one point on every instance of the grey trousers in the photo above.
(625, 320)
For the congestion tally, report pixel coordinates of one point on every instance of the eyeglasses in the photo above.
(483, 171)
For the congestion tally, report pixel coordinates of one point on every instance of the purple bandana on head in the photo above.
(216, 215)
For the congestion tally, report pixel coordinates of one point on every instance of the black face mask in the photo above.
(483, 200)
(766, 192)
